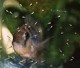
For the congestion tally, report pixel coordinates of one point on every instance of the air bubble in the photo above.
(18, 30)
(62, 32)
(7, 11)
(49, 23)
(36, 2)
(42, 10)
(40, 30)
(42, 61)
(67, 43)
(72, 58)
(51, 26)
(23, 17)
(29, 26)
(36, 62)
(60, 50)
(58, 10)
(63, 54)
(59, 16)
(32, 61)
(12, 57)
(20, 5)
(22, 62)
(67, 40)
(35, 23)
(30, 4)
(70, 24)
(25, 24)
(35, 36)
(75, 33)
(10, 12)
(11, 63)
(32, 13)
(51, 65)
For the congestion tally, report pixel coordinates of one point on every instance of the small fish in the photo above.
(27, 41)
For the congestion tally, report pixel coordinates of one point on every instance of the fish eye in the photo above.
(27, 35)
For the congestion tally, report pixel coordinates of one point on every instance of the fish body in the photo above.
(27, 40)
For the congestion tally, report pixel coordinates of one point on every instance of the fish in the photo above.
(28, 40)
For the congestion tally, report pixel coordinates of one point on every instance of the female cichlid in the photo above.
(27, 40)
